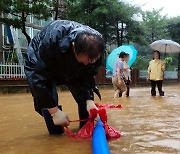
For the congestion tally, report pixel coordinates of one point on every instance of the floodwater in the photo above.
(148, 125)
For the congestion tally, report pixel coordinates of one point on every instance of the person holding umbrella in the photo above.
(156, 73)
(118, 77)
(156, 66)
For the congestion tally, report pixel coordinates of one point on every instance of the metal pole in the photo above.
(165, 51)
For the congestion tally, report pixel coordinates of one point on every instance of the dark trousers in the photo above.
(128, 87)
(79, 95)
(153, 87)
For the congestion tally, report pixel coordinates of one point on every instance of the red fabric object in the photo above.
(106, 106)
(86, 131)
(68, 132)
(103, 115)
(111, 133)
(93, 114)
(118, 106)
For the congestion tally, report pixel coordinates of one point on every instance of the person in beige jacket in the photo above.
(156, 73)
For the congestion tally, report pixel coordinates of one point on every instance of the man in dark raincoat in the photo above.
(64, 52)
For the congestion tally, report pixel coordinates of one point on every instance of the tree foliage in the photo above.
(155, 25)
(113, 18)
(15, 12)
(174, 31)
(174, 28)
(141, 63)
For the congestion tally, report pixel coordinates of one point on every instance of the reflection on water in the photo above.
(148, 125)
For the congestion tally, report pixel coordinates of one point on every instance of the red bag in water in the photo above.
(103, 115)
(68, 132)
(87, 130)
(93, 114)
(107, 106)
(84, 133)
(111, 133)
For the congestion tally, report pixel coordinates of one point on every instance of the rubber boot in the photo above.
(52, 129)
(161, 93)
(153, 93)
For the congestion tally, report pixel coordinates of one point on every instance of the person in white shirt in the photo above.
(127, 74)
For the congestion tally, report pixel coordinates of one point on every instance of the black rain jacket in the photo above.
(50, 61)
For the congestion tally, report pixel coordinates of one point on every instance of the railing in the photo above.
(143, 74)
(167, 74)
(9, 70)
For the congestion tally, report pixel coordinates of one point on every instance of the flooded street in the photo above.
(148, 125)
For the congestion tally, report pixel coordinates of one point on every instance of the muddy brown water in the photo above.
(148, 125)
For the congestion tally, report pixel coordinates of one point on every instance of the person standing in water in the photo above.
(118, 77)
(156, 73)
(127, 74)
(69, 53)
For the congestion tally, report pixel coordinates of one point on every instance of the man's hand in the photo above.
(90, 105)
(60, 118)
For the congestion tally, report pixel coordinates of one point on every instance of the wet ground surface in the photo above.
(148, 124)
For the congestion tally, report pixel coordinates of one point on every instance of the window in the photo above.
(39, 22)
(22, 39)
(29, 19)
(36, 21)
(5, 35)
(45, 22)
(35, 31)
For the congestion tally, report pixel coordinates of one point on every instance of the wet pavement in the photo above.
(148, 124)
